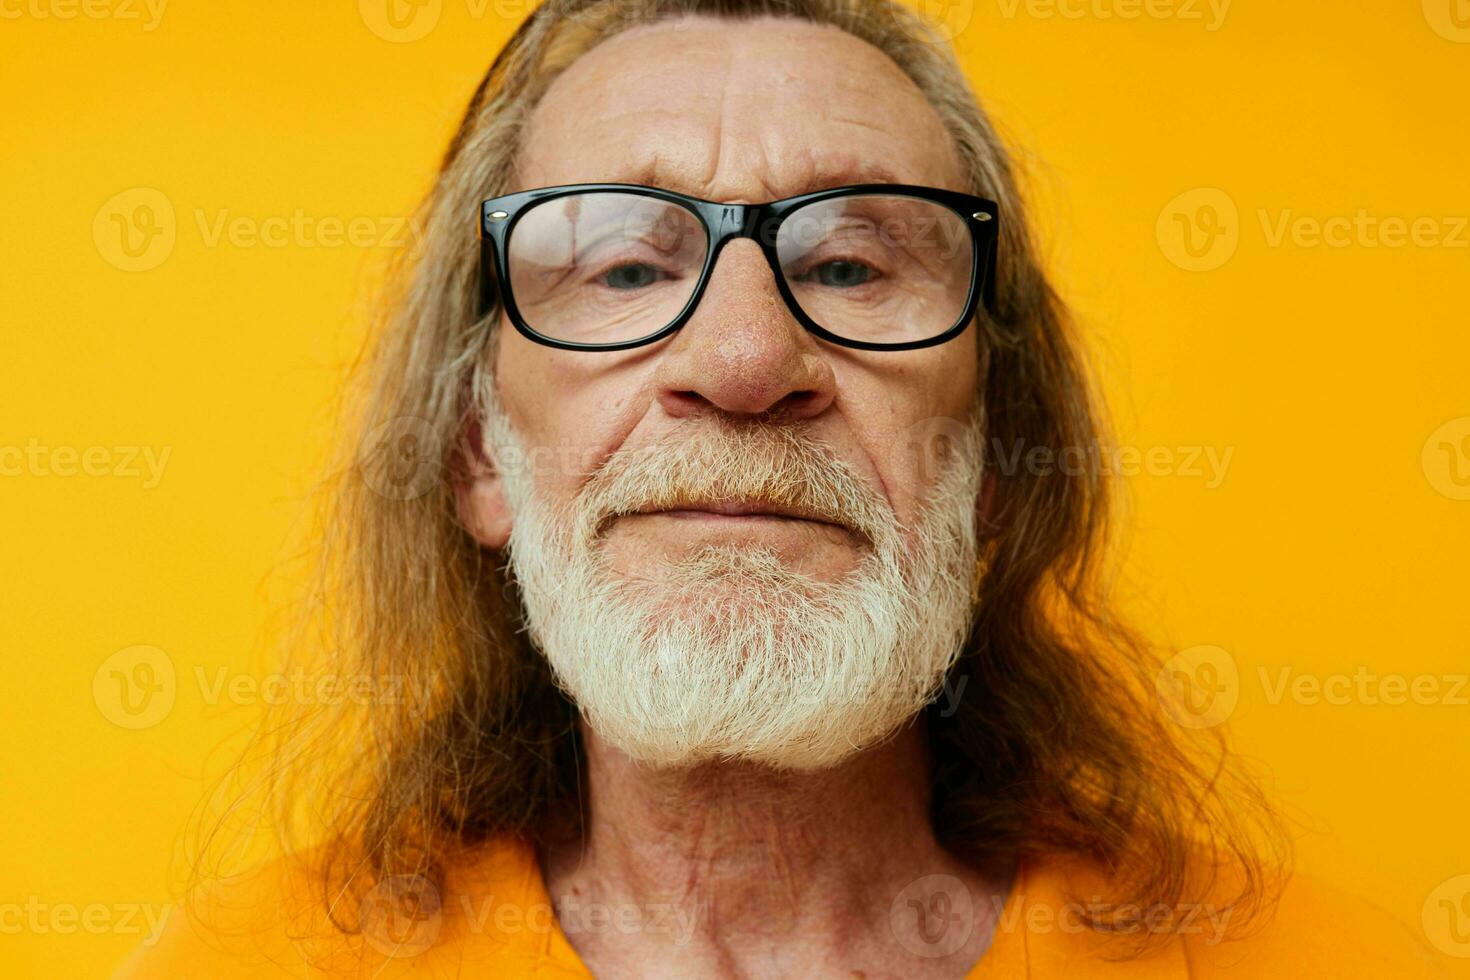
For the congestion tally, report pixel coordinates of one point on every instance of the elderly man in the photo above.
(721, 650)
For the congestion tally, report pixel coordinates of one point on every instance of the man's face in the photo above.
(738, 112)
(834, 564)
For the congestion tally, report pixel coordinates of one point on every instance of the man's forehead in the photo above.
(736, 110)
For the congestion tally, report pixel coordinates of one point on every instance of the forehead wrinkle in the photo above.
(717, 153)
(812, 170)
(728, 140)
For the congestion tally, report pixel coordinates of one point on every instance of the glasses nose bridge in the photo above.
(728, 222)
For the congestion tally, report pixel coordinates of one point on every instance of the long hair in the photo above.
(1059, 744)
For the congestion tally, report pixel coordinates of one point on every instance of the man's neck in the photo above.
(739, 870)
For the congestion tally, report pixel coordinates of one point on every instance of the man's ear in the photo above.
(479, 493)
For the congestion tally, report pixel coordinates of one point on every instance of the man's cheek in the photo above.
(557, 469)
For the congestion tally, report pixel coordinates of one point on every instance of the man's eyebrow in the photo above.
(820, 176)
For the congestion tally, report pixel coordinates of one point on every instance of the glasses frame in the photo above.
(723, 223)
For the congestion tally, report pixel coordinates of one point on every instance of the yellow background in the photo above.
(1336, 539)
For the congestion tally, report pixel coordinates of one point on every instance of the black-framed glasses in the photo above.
(613, 266)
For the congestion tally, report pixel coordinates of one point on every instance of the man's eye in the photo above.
(634, 275)
(840, 273)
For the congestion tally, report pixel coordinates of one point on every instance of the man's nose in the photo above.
(742, 352)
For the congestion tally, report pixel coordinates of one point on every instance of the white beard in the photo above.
(729, 654)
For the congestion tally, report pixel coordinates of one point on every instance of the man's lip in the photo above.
(741, 509)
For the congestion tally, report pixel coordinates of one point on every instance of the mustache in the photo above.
(721, 462)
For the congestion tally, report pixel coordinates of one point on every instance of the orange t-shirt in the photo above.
(501, 925)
